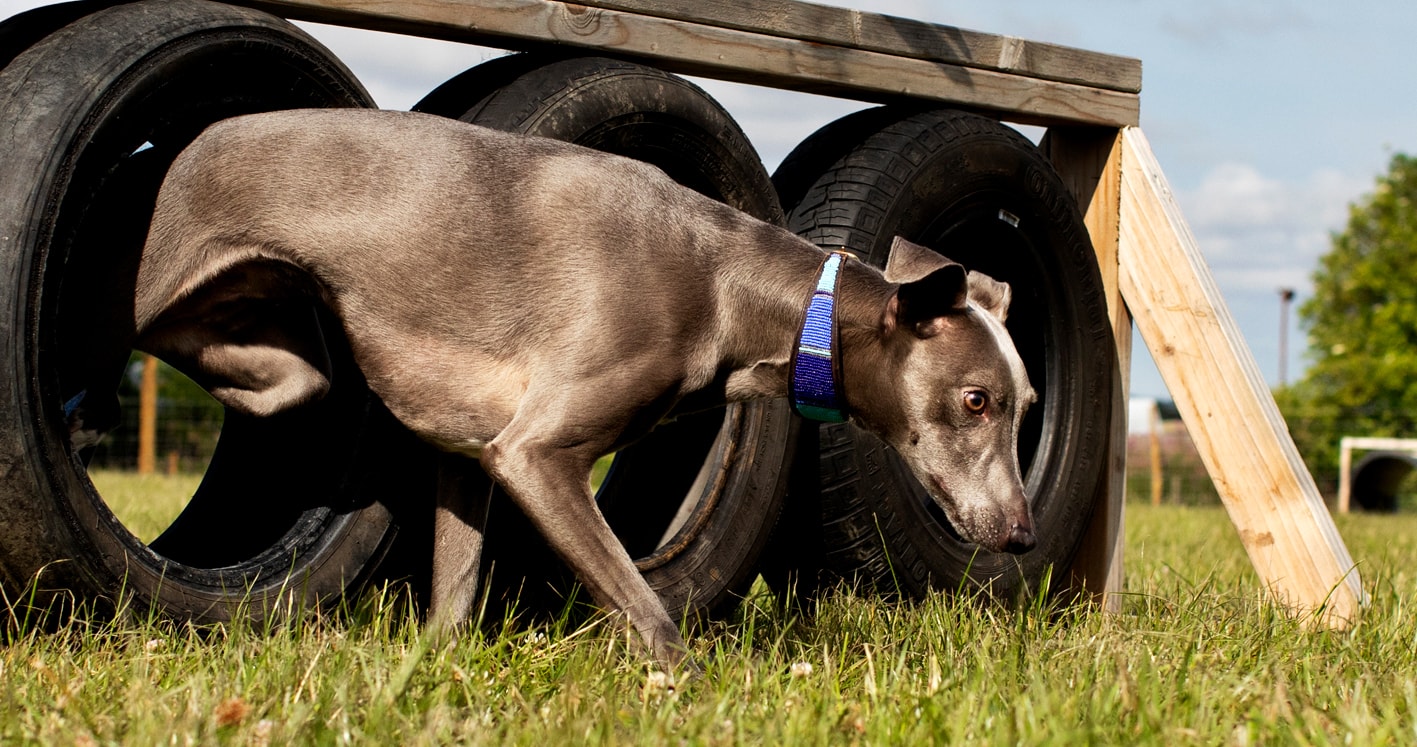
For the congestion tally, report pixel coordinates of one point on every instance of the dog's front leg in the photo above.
(464, 495)
(550, 482)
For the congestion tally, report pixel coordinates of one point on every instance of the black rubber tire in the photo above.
(978, 192)
(290, 508)
(726, 468)
(463, 95)
(23, 30)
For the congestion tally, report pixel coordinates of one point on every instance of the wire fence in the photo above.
(187, 434)
(1166, 468)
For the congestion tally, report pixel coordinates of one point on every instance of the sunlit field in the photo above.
(1198, 656)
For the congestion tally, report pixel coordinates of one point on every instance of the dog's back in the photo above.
(371, 197)
(441, 246)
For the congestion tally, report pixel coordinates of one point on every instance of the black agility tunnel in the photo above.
(1378, 476)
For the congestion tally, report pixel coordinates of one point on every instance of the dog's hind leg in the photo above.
(464, 495)
(546, 470)
(251, 337)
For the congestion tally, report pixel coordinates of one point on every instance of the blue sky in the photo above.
(1268, 118)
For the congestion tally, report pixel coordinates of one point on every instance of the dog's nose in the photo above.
(1020, 540)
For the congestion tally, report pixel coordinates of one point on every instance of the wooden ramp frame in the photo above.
(1224, 401)
(1152, 268)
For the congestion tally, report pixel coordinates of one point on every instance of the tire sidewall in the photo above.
(1059, 518)
(944, 164)
(650, 115)
(55, 522)
(664, 120)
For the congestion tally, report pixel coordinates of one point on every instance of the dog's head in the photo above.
(961, 392)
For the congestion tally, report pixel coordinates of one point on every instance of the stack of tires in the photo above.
(309, 505)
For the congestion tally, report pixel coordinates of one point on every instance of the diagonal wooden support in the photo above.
(1225, 403)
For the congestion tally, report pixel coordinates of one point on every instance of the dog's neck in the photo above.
(870, 352)
(772, 298)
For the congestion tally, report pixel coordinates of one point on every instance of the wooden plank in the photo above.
(1090, 163)
(1154, 452)
(730, 54)
(897, 36)
(1345, 477)
(1225, 403)
(1382, 443)
(147, 417)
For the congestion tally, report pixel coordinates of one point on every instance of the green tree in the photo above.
(1362, 326)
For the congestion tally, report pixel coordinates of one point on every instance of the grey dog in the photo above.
(537, 305)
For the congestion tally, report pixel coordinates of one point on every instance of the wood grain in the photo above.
(730, 54)
(1225, 403)
(893, 35)
(1090, 162)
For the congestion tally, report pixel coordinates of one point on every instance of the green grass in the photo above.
(146, 504)
(1199, 656)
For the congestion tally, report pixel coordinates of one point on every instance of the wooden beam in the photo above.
(147, 417)
(1381, 443)
(1345, 477)
(1154, 452)
(903, 37)
(1090, 163)
(730, 54)
(1225, 403)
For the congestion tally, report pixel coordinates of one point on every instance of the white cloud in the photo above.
(1214, 24)
(775, 121)
(1259, 232)
(398, 70)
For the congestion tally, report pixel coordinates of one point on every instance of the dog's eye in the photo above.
(976, 401)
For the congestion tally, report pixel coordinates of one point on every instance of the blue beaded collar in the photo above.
(815, 366)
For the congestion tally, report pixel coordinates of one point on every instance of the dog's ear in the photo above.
(921, 305)
(991, 295)
(909, 261)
